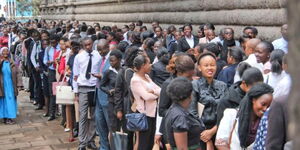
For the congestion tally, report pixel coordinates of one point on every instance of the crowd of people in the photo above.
(195, 92)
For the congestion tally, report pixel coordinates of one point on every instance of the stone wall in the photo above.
(266, 15)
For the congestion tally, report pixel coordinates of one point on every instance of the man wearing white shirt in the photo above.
(282, 43)
(86, 64)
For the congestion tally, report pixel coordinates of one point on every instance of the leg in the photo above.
(83, 120)
(146, 138)
(102, 128)
(52, 103)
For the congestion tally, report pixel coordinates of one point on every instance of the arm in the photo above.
(32, 56)
(76, 68)
(181, 140)
(45, 59)
(104, 83)
(164, 102)
(119, 89)
(138, 90)
(193, 108)
(179, 46)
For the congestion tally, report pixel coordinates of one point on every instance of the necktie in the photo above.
(89, 67)
(102, 64)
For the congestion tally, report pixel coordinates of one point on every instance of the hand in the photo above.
(111, 92)
(157, 139)
(206, 135)
(49, 63)
(76, 98)
(96, 75)
(37, 69)
(119, 115)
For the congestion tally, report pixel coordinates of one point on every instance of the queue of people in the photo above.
(196, 92)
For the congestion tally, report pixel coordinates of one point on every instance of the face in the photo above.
(63, 45)
(205, 30)
(200, 34)
(228, 34)
(177, 35)
(131, 27)
(248, 49)
(196, 51)
(250, 33)
(230, 59)
(187, 31)
(154, 25)
(208, 67)
(147, 66)
(102, 49)
(53, 43)
(35, 36)
(158, 32)
(165, 32)
(210, 35)
(5, 53)
(44, 36)
(114, 62)
(156, 46)
(262, 55)
(88, 45)
(261, 104)
(5, 32)
(109, 37)
(45, 44)
(284, 31)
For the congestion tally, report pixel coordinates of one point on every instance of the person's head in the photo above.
(131, 26)
(207, 65)
(213, 48)
(91, 31)
(145, 35)
(45, 35)
(261, 95)
(44, 44)
(243, 40)
(198, 50)
(284, 31)
(276, 60)
(210, 35)
(157, 45)
(155, 24)
(163, 55)
(4, 52)
(83, 28)
(135, 37)
(228, 34)
(251, 31)
(250, 76)
(251, 45)
(208, 26)
(235, 55)
(103, 47)
(75, 46)
(115, 58)
(143, 28)
(148, 44)
(187, 30)
(183, 65)
(54, 39)
(177, 35)
(5, 32)
(87, 44)
(122, 46)
(263, 51)
(69, 27)
(125, 28)
(171, 29)
(139, 23)
(180, 90)
(114, 28)
(200, 32)
(111, 36)
(142, 64)
(36, 35)
(63, 43)
(158, 31)
(130, 54)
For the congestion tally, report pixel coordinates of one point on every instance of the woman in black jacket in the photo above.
(208, 92)
(158, 73)
(188, 41)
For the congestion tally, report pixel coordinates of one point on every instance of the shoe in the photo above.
(81, 148)
(34, 103)
(67, 130)
(51, 118)
(10, 122)
(46, 115)
(75, 133)
(92, 146)
(39, 108)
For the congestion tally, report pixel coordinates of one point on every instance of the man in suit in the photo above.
(102, 120)
(188, 41)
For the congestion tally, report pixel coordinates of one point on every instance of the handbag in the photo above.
(136, 122)
(58, 77)
(119, 141)
(64, 95)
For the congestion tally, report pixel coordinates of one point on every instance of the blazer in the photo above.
(101, 96)
(183, 45)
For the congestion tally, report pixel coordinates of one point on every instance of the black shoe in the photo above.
(81, 148)
(92, 146)
(75, 133)
(39, 108)
(51, 118)
(46, 115)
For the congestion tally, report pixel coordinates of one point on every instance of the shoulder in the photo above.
(220, 84)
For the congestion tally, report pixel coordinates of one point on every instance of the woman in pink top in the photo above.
(146, 94)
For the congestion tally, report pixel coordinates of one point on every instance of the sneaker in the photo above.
(67, 129)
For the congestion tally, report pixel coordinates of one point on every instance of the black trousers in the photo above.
(146, 138)
(38, 93)
(52, 102)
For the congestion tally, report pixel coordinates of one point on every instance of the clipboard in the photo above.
(200, 109)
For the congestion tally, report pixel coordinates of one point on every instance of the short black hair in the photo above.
(139, 61)
(54, 37)
(206, 54)
(254, 30)
(83, 28)
(187, 25)
(179, 89)
(209, 26)
(116, 53)
(268, 45)
(276, 60)
(236, 53)
(252, 75)
(213, 48)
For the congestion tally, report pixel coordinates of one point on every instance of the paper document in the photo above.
(200, 109)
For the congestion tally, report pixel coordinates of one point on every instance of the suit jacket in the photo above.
(183, 45)
(101, 96)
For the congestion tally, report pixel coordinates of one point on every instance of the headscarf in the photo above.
(245, 110)
(1, 50)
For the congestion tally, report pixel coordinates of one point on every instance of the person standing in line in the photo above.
(85, 65)
(8, 88)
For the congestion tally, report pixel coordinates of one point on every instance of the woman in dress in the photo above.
(8, 88)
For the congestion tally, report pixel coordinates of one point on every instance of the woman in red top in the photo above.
(61, 58)
(4, 39)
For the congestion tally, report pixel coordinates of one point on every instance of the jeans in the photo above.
(102, 119)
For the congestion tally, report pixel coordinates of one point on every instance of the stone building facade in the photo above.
(266, 15)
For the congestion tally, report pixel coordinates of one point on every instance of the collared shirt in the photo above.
(80, 66)
(190, 41)
(34, 54)
(281, 44)
(49, 55)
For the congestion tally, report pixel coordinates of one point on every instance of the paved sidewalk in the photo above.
(32, 131)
